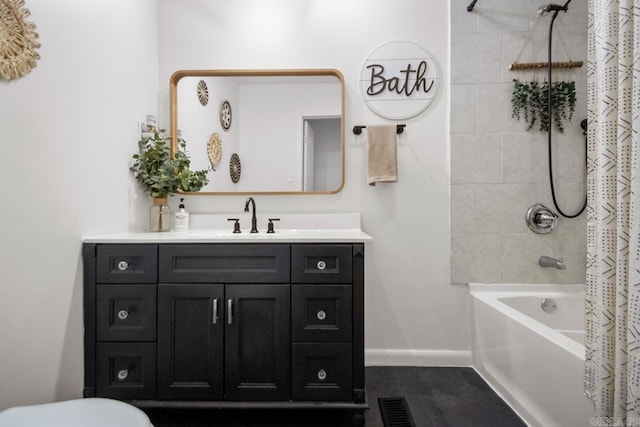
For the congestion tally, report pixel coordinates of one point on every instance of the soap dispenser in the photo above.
(182, 218)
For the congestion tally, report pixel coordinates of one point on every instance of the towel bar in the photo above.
(357, 130)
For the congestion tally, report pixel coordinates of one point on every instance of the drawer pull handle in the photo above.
(322, 375)
(321, 265)
(321, 315)
(230, 311)
(215, 311)
(123, 265)
(123, 314)
(123, 374)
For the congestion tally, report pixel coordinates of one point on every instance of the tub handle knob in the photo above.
(541, 219)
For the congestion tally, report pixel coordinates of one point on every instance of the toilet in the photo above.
(94, 412)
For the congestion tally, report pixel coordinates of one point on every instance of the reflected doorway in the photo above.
(321, 151)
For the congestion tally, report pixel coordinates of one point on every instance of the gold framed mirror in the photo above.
(286, 126)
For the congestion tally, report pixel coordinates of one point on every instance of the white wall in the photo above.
(68, 131)
(410, 305)
(67, 134)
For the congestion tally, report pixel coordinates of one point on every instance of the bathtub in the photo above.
(533, 359)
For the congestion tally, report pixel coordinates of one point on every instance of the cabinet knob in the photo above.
(123, 265)
(321, 315)
(123, 374)
(322, 375)
(123, 314)
(321, 265)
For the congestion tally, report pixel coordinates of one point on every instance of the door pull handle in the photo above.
(230, 311)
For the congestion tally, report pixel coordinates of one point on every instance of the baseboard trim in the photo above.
(394, 357)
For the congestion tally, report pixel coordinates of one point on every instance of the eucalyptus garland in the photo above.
(530, 101)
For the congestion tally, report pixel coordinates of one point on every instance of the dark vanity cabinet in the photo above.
(215, 325)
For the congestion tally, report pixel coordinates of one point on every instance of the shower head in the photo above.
(546, 8)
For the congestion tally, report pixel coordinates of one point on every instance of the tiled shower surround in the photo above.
(498, 169)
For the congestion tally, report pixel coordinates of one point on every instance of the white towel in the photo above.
(382, 157)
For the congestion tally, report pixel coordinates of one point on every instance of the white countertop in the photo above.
(226, 236)
(214, 228)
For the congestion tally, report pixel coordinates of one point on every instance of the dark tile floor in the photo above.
(437, 397)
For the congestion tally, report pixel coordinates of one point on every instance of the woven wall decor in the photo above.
(18, 40)
(214, 149)
(235, 168)
(203, 93)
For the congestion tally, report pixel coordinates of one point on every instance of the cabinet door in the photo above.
(257, 342)
(190, 341)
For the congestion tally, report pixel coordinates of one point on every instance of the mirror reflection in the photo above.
(263, 131)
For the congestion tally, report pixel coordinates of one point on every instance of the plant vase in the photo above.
(160, 215)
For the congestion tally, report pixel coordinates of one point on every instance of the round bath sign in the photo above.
(399, 80)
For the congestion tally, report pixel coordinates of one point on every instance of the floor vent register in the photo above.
(395, 412)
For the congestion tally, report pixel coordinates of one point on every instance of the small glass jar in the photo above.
(160, 215)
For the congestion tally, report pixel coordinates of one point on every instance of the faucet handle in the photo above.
(270, 229)
(236, 225)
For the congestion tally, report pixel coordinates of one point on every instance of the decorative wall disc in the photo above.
(18, 40)
(203, 93)
(225, 115)
(214, 149)
(399, 80)
(234, 168)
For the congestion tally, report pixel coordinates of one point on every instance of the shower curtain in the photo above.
(612, 370)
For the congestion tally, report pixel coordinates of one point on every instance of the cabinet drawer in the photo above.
(321, 263)
(127, 264)
(224, 263)
(322, 371)
(321, 313)
(126, 313)
(126, 370)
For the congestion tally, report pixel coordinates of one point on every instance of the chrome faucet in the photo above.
(254, 220)
(547, 261)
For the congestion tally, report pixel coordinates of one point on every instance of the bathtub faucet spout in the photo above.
(547, 261)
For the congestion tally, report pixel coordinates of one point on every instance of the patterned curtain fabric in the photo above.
(612, 371)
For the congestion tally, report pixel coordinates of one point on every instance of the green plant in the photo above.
(159, 173)
(531, 101)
